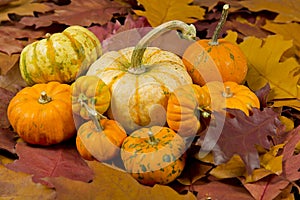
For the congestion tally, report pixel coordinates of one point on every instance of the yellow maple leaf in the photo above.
(158, 12)
(265, 66)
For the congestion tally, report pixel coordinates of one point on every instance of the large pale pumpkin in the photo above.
(42, 114)
(59, 57)
(216, 59)
(141, 78)
(154, 155)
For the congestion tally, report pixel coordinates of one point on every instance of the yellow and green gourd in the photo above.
(59, 57)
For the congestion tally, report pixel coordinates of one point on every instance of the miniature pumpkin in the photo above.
(59, 57)
(185, 105)
(100, 141)
(93, 91)
(231, 95)
(42, 114)
(215, 59)
(154, 155)
(140, 79)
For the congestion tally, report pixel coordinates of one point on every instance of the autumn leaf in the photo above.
(288, 30)
(60, 160)
(79, 12)
(111, 183)
(12, 81)
(5, 98)
(18, 185)
(240, 135)
(158, 12)
(210, 4)
(287, 10)
(22, 7)
(7, 140)
(265, 66)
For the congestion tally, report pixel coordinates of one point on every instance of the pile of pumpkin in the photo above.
(140, 103)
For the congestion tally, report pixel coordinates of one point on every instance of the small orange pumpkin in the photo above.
(154, 155)
(42, 114)
(185, 105)
(215, 59)
(231, 95)
(100, 141)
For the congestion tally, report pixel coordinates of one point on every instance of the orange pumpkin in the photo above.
(100, 141)
(154, 155)
(185, 105)
(42, 114)
(215, 59)
(231, 95)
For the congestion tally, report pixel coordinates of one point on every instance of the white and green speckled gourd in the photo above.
(59, 57)
(141, 78)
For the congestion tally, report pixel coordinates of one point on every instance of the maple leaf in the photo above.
(287, 10)
(158, 12)
(22, 7)
(265, 66)
(5, 97)
(59, 160)
(240, 135)
(12, 80)
(210, 4)
(288, 30)
(111, 183)
(18, 185)
(7, 62)
(79, 12)
(7, 138)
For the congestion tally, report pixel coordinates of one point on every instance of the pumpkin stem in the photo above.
(214, 40)
(227, 93)
(205, 113)
(187, 31)
(152, 138)
(93, 115)
(44, 98)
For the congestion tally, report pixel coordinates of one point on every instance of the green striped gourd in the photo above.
(59, 57)
(141, 78)
(154, 155)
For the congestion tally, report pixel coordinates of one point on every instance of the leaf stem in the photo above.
(214, 40)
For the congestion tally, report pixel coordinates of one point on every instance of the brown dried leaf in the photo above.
(5, 97)
(7, 140)
(79, 12)
(13, 80)
(22, 7)
(111, 183)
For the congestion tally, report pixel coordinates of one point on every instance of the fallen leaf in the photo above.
(59, 160)
(158, 12)
(240, 135)
(271, 160)
(287, 10)
(219, 190)
(7, 62)
(18, 186)
(263, 95)
(288, 30)
(5, 98)
(7, 140)
(110, 183)
(79, 12)
(22, 7)
(210, 4)
(265, 66)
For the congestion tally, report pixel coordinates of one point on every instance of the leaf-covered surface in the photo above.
(241, 134)
(61, 160)
(267, 32)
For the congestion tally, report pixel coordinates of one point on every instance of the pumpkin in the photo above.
(99, 139)
(215, 59)
(59, 57)
(42, 114)
(141, 78)
(93, 91)
(154, 155)
(185, 105)
(231, 95)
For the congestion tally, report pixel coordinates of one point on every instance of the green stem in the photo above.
(44, 98)
(214, 40)
(188, 32)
